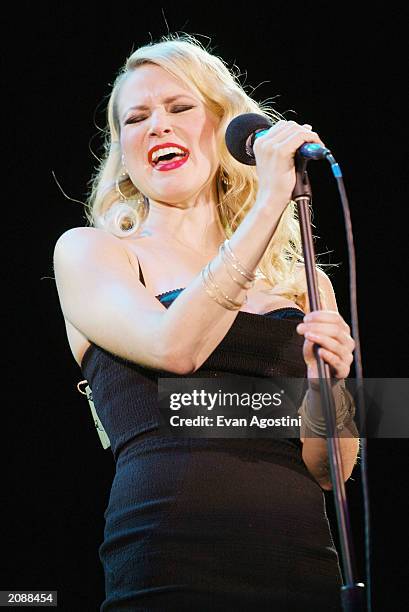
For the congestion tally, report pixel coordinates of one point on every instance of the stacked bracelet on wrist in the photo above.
(311, 411)
(213, 289)
(229, 258)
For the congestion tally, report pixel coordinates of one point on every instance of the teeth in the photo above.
(166, 151)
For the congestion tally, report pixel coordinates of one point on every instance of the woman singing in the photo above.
(192, 267)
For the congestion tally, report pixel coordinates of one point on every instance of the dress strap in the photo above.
(141, 278)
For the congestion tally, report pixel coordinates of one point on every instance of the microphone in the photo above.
(243, 130)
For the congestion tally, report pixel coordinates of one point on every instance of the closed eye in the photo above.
(175, 109)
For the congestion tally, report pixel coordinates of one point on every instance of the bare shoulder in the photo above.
(324, 283)
(103, 301)
(86, 245)
(76, 251)
(77, 239)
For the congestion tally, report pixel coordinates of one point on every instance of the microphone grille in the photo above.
(238, 132)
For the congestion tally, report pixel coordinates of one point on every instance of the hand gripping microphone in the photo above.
(243, 130)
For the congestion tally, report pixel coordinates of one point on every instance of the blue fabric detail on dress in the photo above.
(287, 312)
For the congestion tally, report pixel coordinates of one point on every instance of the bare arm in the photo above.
(196, 323)
(315, 457)
(101, 297)
(315, 451)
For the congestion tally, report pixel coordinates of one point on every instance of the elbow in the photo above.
(174, 357)
(183, 367)
(178, 364)
(316, 459)
(327, 484)
(324, 479)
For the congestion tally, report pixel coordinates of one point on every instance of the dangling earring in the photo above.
(225, 179)
(140, 200)
(123, 218)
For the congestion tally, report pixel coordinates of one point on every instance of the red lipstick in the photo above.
(165, 145)
(172, 164)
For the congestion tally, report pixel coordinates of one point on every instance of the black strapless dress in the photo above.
(211, 524)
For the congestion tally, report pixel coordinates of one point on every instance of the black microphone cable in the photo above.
(336, 171)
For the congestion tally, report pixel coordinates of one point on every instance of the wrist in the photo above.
(269, 204)
(311, 409)
(314, 383)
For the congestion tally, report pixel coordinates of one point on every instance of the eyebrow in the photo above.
(166, 101)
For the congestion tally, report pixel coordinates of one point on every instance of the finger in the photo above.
(308, 353)
(293, 130)
(338, 349)
(281, 130)
(315, 331)
(340, 367)
(274, 130)
(323, 315)
(327, 316)
(297, 136)
(335, 330)
(340, 335)
(293, 142)
(323, 330)
(289, 127)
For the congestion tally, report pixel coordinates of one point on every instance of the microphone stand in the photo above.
(352, 593)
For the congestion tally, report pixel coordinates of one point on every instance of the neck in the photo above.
(194, 223)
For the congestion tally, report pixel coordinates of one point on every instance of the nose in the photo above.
(159, 123)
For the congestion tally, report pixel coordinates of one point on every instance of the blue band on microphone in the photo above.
(336, 170)
(260, 133)
(313, 150)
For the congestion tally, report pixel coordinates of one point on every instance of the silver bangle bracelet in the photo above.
(210, 287)
(317, 425)
(235, 262)
(210, 277)
(246, 285)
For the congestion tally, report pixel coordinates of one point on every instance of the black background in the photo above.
(339, 73)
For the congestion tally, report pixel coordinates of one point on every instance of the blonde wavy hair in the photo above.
(184, 57)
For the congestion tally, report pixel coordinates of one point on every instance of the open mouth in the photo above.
(166, 155)
(165, 159)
